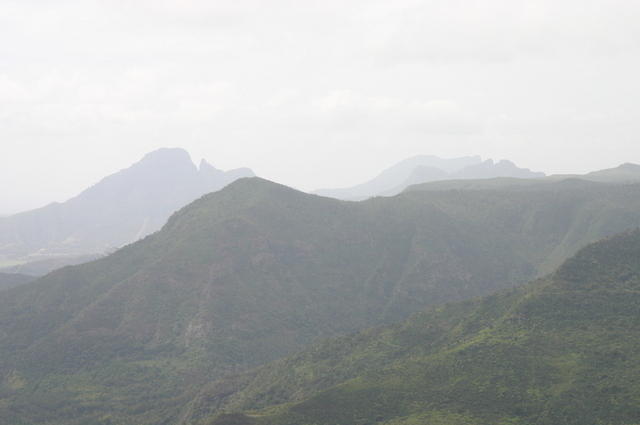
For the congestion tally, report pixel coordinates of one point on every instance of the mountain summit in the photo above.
(119, 209)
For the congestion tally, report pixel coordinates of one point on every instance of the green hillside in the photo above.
(257, 271)
(561, 350)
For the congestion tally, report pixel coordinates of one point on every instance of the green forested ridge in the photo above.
(562, 350)
(256, 271)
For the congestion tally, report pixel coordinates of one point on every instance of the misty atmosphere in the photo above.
(416, 212)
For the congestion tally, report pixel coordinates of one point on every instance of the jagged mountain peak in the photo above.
(429, 168)
(119, 209)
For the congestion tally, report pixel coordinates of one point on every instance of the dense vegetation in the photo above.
(257, 271)
(561, 350)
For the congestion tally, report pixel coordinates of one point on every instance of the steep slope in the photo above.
(562, 350)
(258, 270)
(9, 280)
(118, 210)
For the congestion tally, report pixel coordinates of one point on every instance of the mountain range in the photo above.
(118, 210)
(257, 271)
(137, 201)
(425, 168)
(433, 173)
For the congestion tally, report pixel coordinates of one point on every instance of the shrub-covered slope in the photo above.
(561, 350)
(257, 271)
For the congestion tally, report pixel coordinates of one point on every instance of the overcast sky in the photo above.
(311, 93)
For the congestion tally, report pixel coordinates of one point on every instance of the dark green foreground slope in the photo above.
(561, 350)
(257, 271)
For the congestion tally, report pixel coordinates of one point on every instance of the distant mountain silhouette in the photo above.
(118, 210)
(423, 169)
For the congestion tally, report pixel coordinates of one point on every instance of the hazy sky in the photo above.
(311, 93)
